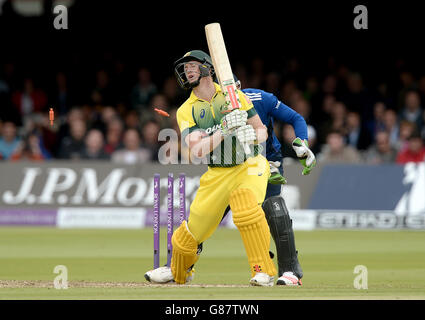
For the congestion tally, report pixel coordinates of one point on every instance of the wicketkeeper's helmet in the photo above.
(206, 67)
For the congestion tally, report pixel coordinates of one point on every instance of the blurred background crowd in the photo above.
(364, 107)
(113, 118)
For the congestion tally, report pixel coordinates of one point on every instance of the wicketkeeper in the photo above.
(233, 178)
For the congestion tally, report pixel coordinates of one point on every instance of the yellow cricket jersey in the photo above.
(197, 114)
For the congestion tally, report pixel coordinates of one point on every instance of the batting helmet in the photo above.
(206, 67)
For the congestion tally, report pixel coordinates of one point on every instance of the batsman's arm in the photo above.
(253, 118)
(200, 144)
(259, 127)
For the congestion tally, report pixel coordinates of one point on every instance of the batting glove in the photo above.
(304, 154)
(235, 119)
(246, 134)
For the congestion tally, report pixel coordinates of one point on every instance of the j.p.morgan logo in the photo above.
(67, 186)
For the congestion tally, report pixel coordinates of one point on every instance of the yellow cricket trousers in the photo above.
(212, 197)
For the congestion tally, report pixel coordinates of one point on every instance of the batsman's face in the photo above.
(191, 70)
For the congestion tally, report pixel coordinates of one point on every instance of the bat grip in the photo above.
(246, 148)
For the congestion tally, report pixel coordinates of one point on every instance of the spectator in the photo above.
(60, 96)
(29, 100)
(286, 92)
(256, 78)
(412, 110)
(93, 146)
(336, 151)
(292, 69)
(415, 151)
(321, 103)
(100, 118)
(407, 81)
(120, 81)
(143, 91)
(4, 87)
(338, 115)
(272, 80)
(377, 123)
(161, 102)
(329, 85)
(30, 149)
(150, 134)
(358, 97)
(357, 135)
(107, 114)
(311, 92)
(406, 130)
(9, 141)
(337, 120)
(103, 93)
(421, 89)
(173, 93)
(72, 146)
(302, 106)
(381, 152)
(173, 118)
(91, 113)
(287, 136)
(75, 114)
(392, 127)
(384, 95)
(114, 133)
(8, 110)
(322, 114)
(39, 124)
(132, 152)
(132, 120)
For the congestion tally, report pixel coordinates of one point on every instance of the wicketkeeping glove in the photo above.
(235, 119)
(275, 176)
(304, 154)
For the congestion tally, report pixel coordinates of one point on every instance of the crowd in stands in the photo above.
(349, 120)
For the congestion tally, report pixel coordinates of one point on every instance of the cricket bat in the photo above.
(222, 68)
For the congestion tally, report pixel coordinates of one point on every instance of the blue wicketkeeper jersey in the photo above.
(269, 108)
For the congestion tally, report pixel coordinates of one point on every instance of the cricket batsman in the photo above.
(233, 178)
(269, 108)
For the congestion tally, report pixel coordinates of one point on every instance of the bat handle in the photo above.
(246, 148)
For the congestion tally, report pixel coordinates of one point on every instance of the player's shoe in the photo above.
(164, 275)
(262, 279)
(160, 275)
(288, 279)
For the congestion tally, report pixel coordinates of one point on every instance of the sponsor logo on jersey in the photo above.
(212, 129)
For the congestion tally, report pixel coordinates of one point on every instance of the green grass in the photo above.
(395, 262)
